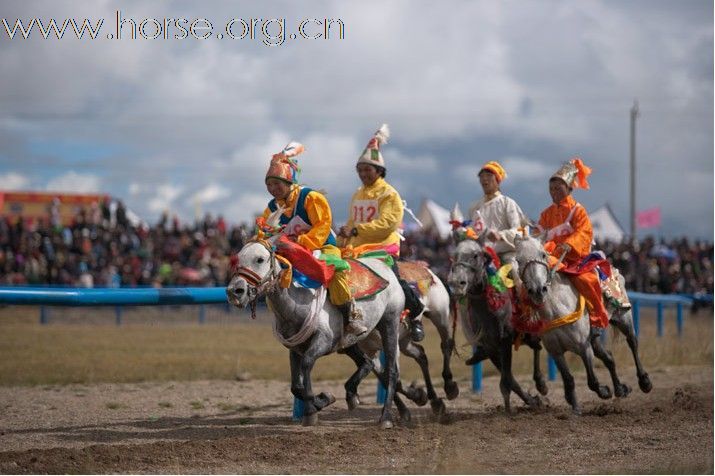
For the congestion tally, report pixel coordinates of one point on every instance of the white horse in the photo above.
(555, 296)
(437, 310)
(311, 327)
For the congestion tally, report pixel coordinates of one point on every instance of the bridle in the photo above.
(258, 285)
(478, 274)
(522, 270)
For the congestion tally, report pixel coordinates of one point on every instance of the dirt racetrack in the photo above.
(245, 427)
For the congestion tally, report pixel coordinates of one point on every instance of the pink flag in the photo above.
(648, 218)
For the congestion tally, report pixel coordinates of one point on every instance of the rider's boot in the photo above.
(352, 317)
(417, 330)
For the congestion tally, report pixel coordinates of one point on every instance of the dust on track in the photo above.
(245, 427)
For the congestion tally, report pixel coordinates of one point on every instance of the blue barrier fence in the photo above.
(57, 296)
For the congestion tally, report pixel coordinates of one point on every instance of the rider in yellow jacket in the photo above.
(307, 219)
(375, 214)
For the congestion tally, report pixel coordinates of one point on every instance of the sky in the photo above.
(188, 125)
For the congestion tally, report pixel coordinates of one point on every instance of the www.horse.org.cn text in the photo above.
(270, 32)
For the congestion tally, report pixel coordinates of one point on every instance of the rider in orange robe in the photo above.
(569, 231)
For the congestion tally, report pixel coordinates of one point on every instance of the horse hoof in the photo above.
(604, 392)
(329, 398)
(421, 399)
(535, 402)
(576, 411)
(386, 424)
(451, 389)
(310, 420)
(405, 415)
(644, 383)
(541, 387)
(353, 402)
(438, 407)
(622, 390)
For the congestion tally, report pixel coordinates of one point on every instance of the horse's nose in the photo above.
(235, 291)
(543, 290)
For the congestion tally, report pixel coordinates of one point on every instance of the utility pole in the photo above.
(634, 115)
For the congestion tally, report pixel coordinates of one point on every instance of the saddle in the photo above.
(417, 275)
(612, 284)
(364, 283)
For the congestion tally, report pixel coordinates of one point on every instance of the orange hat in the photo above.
(495, 168)
(574, 173)
(283, 166)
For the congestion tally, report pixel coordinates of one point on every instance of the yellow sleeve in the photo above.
(377, 231)
(321, 219)
(351, 223)
(259, 233)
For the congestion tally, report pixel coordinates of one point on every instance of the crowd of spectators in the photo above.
(652, 266)
(103, 249)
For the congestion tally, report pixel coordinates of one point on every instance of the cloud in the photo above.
(73, 182)
(210, 194)
(14, 181)
(164, 197)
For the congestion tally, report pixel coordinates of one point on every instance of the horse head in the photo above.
(257, 272)
(533, 262)
(468, 271)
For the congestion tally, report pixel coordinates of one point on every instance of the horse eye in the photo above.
(260, 260)
(543, 255)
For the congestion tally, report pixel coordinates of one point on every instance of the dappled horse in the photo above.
(552, 296)
(490, 328)
(311, 327)
(436, 300)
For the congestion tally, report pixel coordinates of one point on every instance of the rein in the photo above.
(257, 284)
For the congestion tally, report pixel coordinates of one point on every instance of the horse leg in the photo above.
(389, 332)
(586, 355)
(619, 389)
(417, 395)
(296, 383)
(624, 323)
(569, 385)
(533, 342)
(441, 322)
(507, 377)
(364, 367)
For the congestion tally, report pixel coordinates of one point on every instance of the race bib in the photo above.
(363, 211)
(296, 226)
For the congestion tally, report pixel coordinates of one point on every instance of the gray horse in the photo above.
(437, 310)
(311, 327)
(491, 330)
(555, 296)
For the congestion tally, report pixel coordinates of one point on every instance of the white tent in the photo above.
(434, 217)
(605, 225)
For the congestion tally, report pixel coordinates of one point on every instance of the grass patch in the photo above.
(196, 405)
(165, 404)
(74, 353)
(114, 405)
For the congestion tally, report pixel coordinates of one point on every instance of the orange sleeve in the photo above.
(580, 240)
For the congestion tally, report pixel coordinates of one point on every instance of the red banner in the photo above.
(648, 218)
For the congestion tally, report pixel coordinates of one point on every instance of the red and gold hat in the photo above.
(283, 165)
(495, 168)
(371, 155)
(575, 173)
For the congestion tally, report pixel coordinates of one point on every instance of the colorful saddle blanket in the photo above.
(417, 274)
(363, 281)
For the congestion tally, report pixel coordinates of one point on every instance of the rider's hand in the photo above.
(344, 231)
(563, 248)
(492, 235)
